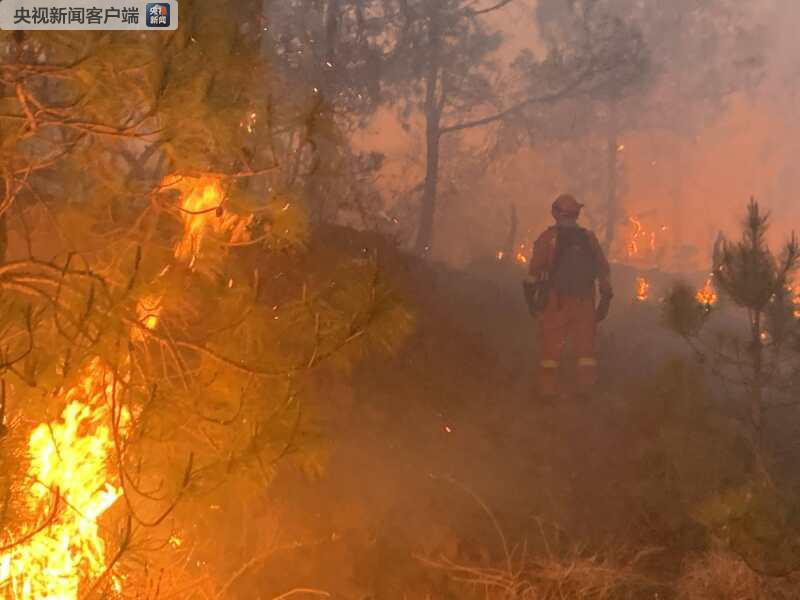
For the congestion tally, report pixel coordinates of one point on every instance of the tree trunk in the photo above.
(428, 208)
(433, 136)
(612, 149)
(331, 31)
(757, 396)
(508, 249)
(3, 238)
(676, 233)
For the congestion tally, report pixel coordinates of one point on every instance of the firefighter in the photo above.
(568, 265)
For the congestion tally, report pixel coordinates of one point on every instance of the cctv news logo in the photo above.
(157, 14)
(105, 15)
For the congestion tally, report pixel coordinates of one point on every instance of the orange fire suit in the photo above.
(567, 318)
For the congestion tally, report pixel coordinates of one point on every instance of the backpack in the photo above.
(574, 268)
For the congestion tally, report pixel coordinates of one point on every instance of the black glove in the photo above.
(602, 308)
(536, 293)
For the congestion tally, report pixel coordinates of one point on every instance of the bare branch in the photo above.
(497, 6)
(30, 535)
(551, 97)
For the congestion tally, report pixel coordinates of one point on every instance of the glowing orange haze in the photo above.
(696, 184)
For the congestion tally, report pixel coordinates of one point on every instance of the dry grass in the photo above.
(720, 575)
(568, 577)
(556, 575)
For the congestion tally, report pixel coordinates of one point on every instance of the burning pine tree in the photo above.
(159, 354)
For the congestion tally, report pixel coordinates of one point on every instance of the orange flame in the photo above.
(202, 213)
(148, 309)
(68, 460)
(633, 244)
(642, 289)
(795, 292)
(201, 199)
(521, 255)
(707, 296)
(642, 242)
(69, 457)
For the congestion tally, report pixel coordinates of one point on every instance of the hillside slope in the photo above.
(418, 439)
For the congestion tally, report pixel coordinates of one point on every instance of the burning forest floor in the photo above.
(444, 454)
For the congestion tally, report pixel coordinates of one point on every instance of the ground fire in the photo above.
(642, 289)
(634, 241)
(642, 243)
(72, 487)
(794, 290)
(706, 295)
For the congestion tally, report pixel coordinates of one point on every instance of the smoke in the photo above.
(749, 148)
(690, 165)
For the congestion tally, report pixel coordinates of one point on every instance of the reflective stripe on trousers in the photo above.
(566, 319)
